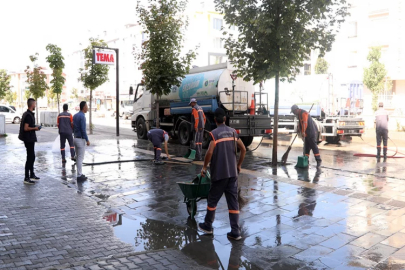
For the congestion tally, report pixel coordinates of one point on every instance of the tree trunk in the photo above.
(57, 96)
(275, 121)
(90, 121)
(157, 112)
(37, 113)
(374, 102)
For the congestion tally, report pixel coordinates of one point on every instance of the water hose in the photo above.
(371, 155)
(115, 161)
(131, 160)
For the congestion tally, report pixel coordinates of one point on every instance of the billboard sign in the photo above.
(104, 57)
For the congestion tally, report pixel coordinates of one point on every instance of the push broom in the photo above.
(285, 156)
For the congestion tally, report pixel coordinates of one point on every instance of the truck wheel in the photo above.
(141, 129)
(333, 140)
(247, 140)
(184, 133)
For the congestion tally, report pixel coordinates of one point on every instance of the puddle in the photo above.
(148, 235)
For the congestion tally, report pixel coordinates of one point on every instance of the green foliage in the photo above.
(4, 83)
(27, 94)
(36, 79)
(75, 94)
(276, 36)
(55, 60)
(161, 60)
(374, 76)
(321, 66)
(10, 97)
(93, 76)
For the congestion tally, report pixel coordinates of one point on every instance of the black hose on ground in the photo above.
(115, 161)
(256, 146)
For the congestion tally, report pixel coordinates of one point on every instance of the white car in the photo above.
(10, 115)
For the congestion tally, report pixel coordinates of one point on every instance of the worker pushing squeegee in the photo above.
(309, 132)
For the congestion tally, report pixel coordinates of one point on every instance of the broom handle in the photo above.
(303, 152)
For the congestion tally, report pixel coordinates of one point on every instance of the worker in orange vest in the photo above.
(198, 119)
(309, 132)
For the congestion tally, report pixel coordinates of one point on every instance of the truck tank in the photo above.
(211, 81)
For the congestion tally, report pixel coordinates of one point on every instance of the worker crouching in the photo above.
(157, 137)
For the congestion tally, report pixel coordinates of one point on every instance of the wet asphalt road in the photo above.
(348, 214)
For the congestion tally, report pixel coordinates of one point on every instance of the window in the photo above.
(4, 109)
(217, 59)
(352, 29)
(218, 43)
(352, 61)
(307, 69)
(139, 92)
(217, 24)
(144, 37)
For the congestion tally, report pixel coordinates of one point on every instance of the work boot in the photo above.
(233, 236)
(205, 228)
(33, 177)
(158, 162)
(28, 181)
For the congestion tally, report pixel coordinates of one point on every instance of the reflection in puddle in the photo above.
(147, 235)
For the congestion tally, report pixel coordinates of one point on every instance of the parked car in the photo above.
(11, 115)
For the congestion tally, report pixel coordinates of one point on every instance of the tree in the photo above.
(10, 97)
(5, 86)
(321, 66)
(36, 80)
(162, 64)
(374, 75)
(276, 36)
(74, 94)
(55, 60)
(27, 94)
(93, 76)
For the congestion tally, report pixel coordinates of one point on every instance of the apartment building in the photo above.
(373, 23)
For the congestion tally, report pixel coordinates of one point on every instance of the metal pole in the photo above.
(233, 98)
(117, 92)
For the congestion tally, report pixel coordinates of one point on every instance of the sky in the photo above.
(27, 26)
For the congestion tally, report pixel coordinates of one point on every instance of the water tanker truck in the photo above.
(213, 87)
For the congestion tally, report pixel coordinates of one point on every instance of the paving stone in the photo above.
(378, 253)
(396, 240)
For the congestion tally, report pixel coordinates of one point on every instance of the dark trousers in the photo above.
(29, 164)
(69, 138)
(198, 139)
(229, 186)
(310, 144)
(382, 134)
(157, 145)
